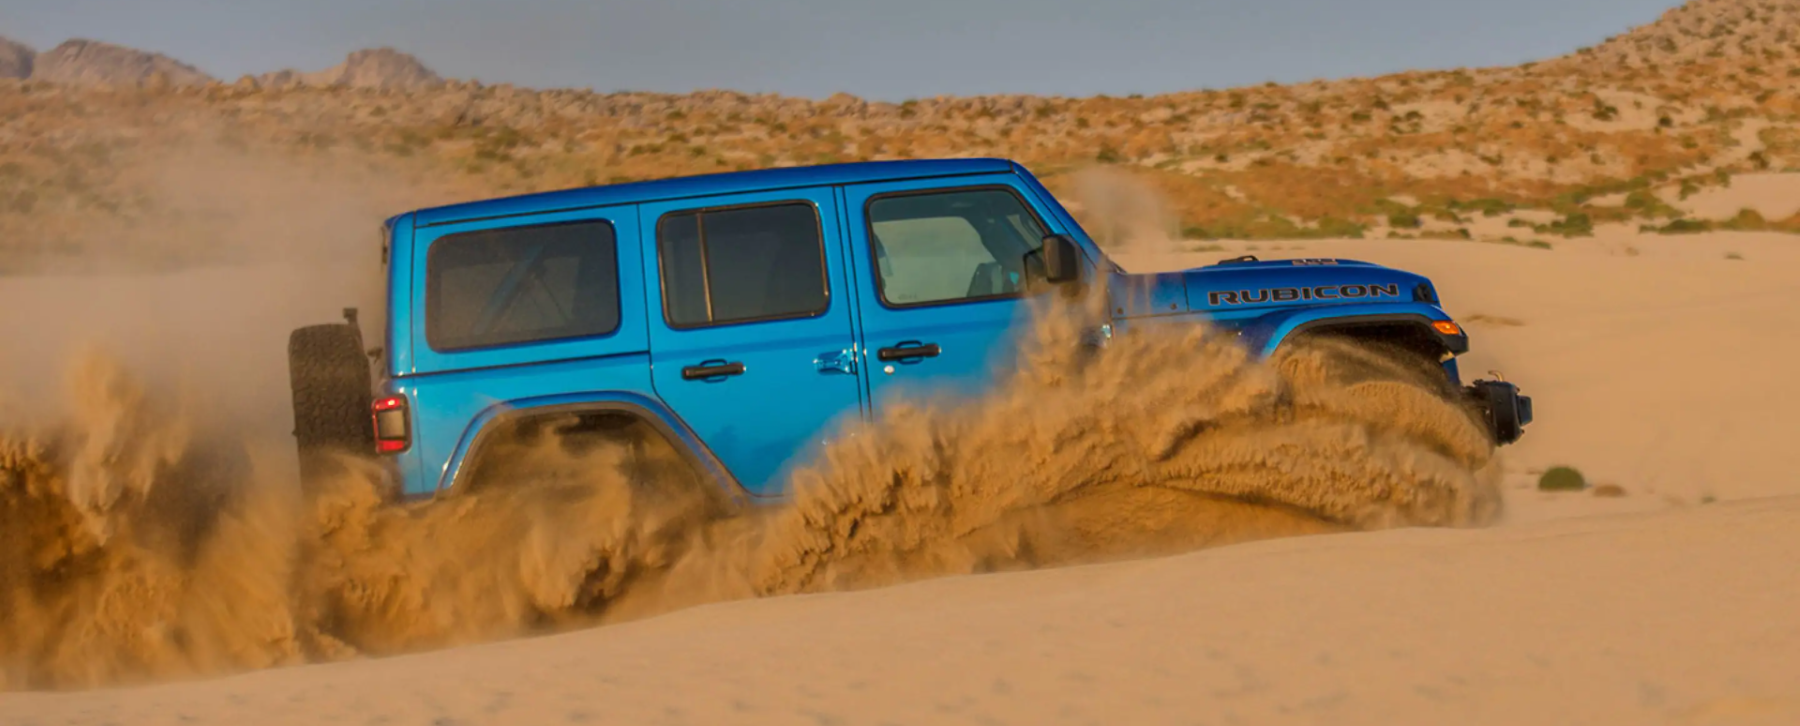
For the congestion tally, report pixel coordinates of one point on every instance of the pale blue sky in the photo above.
(881, 49)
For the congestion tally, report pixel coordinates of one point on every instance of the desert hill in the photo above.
(1752, 30)
(1625, 133)
(15, 59)
(90, 62)
(375, 68)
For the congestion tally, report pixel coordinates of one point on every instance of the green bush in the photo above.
(1403, 220)
(1747, 220)
(1573, 225)
(1487, 207)
(1562, 479)
(1684, 226)
(1649, 204)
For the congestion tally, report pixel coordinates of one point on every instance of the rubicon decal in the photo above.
(1291, 294)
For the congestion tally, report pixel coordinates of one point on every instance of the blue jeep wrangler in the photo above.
(738, 315)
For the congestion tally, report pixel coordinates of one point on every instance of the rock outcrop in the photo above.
(15, 59)
(90, 62)
(376, 68)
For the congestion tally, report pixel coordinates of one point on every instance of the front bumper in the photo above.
(1501, 406)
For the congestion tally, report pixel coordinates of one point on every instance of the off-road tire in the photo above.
(1359, 359)
(1373, 364)
(328, 373)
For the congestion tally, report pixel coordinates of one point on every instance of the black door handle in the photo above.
(905, 351)
(712, 371)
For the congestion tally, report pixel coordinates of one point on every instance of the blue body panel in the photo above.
(450, 408)
(760, 420)
(801, 374)
(974, 336)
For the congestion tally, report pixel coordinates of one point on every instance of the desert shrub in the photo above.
(1603, 111)
(1335, 227)
(1683, 226)
(1562, 479)
(1747, 220)
(1487, 207)
(1577, 224)
(1649, 204)
(1536, 244)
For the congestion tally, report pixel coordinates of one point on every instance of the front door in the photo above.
(751, 338)
(940, 266)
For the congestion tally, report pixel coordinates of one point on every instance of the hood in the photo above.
(1233, 286)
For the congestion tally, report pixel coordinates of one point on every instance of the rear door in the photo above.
(505, 309)
(940, 268)
(751, 339)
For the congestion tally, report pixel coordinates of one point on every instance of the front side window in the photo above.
(738, 265)
(521, 285)
(954, 245)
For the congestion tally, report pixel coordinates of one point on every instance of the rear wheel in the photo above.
(578, 446)
(332, 387)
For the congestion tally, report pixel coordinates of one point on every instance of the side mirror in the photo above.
(1062, 261)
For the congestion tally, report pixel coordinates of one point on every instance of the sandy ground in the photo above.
(1774, 196)
(1656, 364)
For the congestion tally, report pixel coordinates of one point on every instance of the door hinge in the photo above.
(843, 361)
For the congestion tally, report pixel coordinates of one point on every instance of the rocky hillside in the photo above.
(15, 59)
(1618, 134)
(90, 62)
(377, 68)
(1750, 30)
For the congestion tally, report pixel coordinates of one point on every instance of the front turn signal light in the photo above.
(1447, 327)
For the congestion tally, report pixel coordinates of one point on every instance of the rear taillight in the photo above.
(392, 435)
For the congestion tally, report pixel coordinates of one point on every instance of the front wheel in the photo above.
(1500, 405)
(1496, 406)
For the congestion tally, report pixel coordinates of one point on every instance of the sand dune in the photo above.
(1679, 617)
(1656, 370)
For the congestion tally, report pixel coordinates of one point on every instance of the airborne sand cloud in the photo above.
(152, 527)
(135, 549)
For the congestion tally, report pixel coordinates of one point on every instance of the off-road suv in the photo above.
(739, 314)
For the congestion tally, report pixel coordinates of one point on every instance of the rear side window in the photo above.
(522, 285)
(739, 265)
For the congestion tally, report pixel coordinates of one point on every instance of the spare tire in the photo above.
(328, 373)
